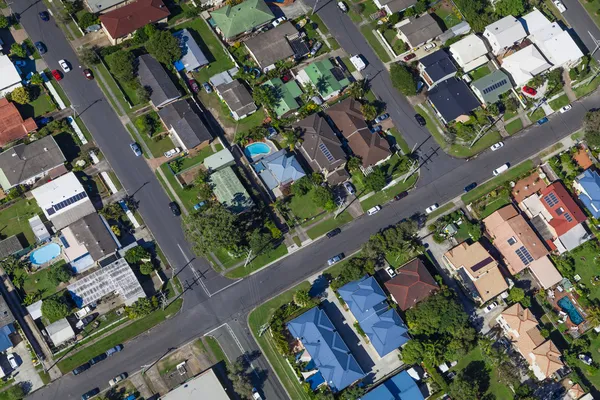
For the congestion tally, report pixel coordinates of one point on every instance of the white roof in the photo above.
(506, 31)
(35, 310)
(575, 237)
(525, 64)
(60, 331)
(534, 21)
(545, 272)
(39, 229)
(9, 76)
(468, 49)
(204, 386)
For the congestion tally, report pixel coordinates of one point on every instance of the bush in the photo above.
(55, 309)
(137, 254)
(403, 79)
(87, 19)
(146, 268)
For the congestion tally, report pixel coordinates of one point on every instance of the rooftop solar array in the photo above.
(326, 152)
(495, 86)
(65, 203)
(568, 217)
(524, 255)
(551, 199)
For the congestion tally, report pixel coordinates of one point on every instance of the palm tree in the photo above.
(356, 89)
(292, 137)
(322, 84)
(593, 316)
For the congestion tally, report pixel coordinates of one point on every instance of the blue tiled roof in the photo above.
(279, 168)
(5, 331)
(590, 182)
(381, 324)
(398, 387)
(327, 348)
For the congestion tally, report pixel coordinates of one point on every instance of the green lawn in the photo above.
(319, 21)
(258, 262)
(189, 197)
(432, 123)
(304, 207)
(592, 7)
(333, 43)
(514, 126)
(198, 158)
(399, 140)
(348, 64)
(328, 225)
(15, 219)
(480, 72)
(41, 281)
(588, 88)
(60, 91)
(586, 265)
(445, 208)
(158, 147)
(367, 31)
(227, 260)
(591, 373)
(216, 349)
(494, 205)
(508, 115)
(559, 102)
(40, 106)
(512, 173)
(386, 195)
(391, 36)
(107, 79)
(224, 114)
(450, 19)
(483, 143)
(537, 115)
(121, 336)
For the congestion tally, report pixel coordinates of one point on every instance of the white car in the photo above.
(278, 21)
(342, 6)
(490, 307)
(561, 7)
(335, 259)
(117, 379)
(497, 146)
(431, 208)
(501, 169)
(12, 361)
(172, 152)
(390, 272)
(587, 360)
(430, 46)
(565, 108)
(64, 65)
(373, 210)
(255, 394)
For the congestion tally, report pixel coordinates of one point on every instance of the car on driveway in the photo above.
(409, 57)
(390, 272)
(335, 259)
(193, 85)
(420, 120)
(81, 368)
(349, 188)
(432, 208)
(373, 210)
(586, 359)
(88, 74)
(490, 307)
(207, 87)
(40, 47)
(470, 187)
(172, 152)
(334, 232)
(117, 379)
(382, 117)
(136, 149)
(64, 65)
(44, 15)
(90, 394)
(56, 74)
(12, 360)
(565, 108)
(315, 49)
(529, 90)
(561, 7)
(43, 121)
(343, 8)
(175, 209)
(278, 21)
(497, 146)
(430, 46)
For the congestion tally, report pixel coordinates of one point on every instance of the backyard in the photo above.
(445, 13)
(15, 219)
(222, 112)
(480, 72)
(40, 281)
(35, 108)
(586, 259)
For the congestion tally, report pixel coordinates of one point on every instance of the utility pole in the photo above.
(411, 170)
(596, 43)
(248, 258)
(163, 299)
(317, 2)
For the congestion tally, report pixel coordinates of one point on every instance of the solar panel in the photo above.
(67, 202)
(50, 210)
(482, 264)
(568, 217)
(326, 152)
(494, 86)
(524, 255)
(551, 199)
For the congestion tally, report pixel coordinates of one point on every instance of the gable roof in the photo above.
(93, 233)
(492, 86)
(419, 30)
(565, 213)
(453, 98)
(218, 160)
(527, 186)
(321, 76)
(25, 161)
(328, 350)
(524, 64)
(271, 46)
(12, 125)
(399, 387)
(133, 16)
(237, 97)
(60, 331)
(589, 191)
(397, 5)
(100, 5)
(467, 50)
(506, 31)
(382, 325)
(279, 168)
(192, 56)
(154, 76)
(229, 191)
(320, 145)
(242, 17)
(437, 65)
(287, 92)
(181, 116)
(349, 120)
(412, 284)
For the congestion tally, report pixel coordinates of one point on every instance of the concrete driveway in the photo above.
(25, 372)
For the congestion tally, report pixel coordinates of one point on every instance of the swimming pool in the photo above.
(567, 305)
(255, 150)
(44, 254)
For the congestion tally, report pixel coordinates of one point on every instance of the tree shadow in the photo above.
(478, 373)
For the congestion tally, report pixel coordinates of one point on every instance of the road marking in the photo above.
(237, 342)
(196, 274)
(228, 286)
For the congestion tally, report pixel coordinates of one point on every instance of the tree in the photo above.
(353, 393)
(323, 197)
(87, 19)
(302, 186)
(11, 264)
(463, 388)
(4, 23)
(14, 392)
(291, 138)
(505, 8)
(591, 126)
(403, 79)
(121, 64)
(112, 211)
(376, 180)
(54, 309)
(369, 111)
(36, 79)
(516, 295)
(475, 12)
(59, 274)
(421, 7)
(21, 95)
(142, 93)
(266, 95)
(141, 307)
(146, 268)
(88, 56)
(241, 382)
(18, 50)
(216, 228)
(150, 30)
(302, 298)
(356, 89)
(354, 163)
(164, 47)
(137, 254)
(260, 242)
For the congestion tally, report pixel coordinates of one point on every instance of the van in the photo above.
(501, 169)
(373, 210)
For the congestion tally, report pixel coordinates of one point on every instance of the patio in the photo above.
(570, 313)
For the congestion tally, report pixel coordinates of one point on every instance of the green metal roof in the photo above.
(229, 190)
(288, 93)
(241, 18)
(491, 86)
(323, 79)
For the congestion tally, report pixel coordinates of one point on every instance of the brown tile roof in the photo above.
(348, 118)
(528, 186)
(12, 125)
(321, 146)
(490, 284)
(412, 284)
(547, 358)
(127, 19)
(582, 158)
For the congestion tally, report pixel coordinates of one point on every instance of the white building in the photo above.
(60, 331)
(9, 76)
(469, 52)
(504, 34)
(525, 64)
(204, 386)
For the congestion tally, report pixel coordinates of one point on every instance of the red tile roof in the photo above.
(12, 125)
(412, 284)
(127, 19)
(566, 214)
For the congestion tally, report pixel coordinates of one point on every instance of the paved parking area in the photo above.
(25, 372)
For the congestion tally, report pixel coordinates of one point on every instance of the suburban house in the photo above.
(372, 148)
(327, 79)
(413, 283)
(504, 33)
(556, 45)
(528, 186)
(192, 57)
(368, 304)
(238, 98)
(588, 190)
(288, 94)
(7, 328)
(63, 200)
(154, 77)
(204, 386)
(436, 67)
(324, 346)
(514, 238)
(102, 6)
(230, 191)
(489, 88)
(470, 52)
(418, 31)
(522, 328)
(60, 332)
(233, 22)
(184, 124)
(394, 6)
(278, 170)
(452, 100)
(524, 64)
(399, 387)
(278, 44)
(460, 29)
(9, 76)
(25, 164)
(320, 146)
(121, 23)
(477, 269)
(12, 125)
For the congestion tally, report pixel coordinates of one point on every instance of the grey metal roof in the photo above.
(420, 30)
(272, 45)
(182, 117)
(60, 331)
(453, 98)
(73, 214)
(192, 56)
(24, 162)
(438, 65)
(10, 246)
(154, 76)
(100, 5)
(398, 5)
(237, 97)
(492, 86)
(92, 232)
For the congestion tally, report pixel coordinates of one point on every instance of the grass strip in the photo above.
(512, 173)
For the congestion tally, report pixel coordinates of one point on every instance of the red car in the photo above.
(193, 85)
(530, 91)
(88, 74)
(410, 57)
(57, 75)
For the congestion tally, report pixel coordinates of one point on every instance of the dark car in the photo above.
(81, 368)
(45, 16)
(90, 394)
(420, 120)
(410, 57)
(401, 195)
(470, 187)
(88, 74)
(98, 358)
(334, 232)
(193, 85)
(43, 121)
(175, 209)
(207, 87)
(41, 47)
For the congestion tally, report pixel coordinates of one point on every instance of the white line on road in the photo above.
(228, 286)
(196, 274)
(237, 342)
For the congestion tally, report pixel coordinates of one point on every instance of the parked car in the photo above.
(88, 74)
(587, 360)
(501, 169)
(431, 208)
(529, 90)
(470, 187)
(382, 117)
(175, 209)
(41, 47)
(43, 121)
(401, 195)
(12, 360)
(44, 15)
(542, 121)
(98, 358)
(342, 6)
(56, 74)
(430, 46)
(278, 21)
(561, 7)
(390, 272)
(81, 368)
(373, 210)
(207, 87)
(255, 394)
(335, 259)
(90, 394)
(117, 379)
(497, 146)
(64, 65)
(349, 188)
(315, 49)
(409, 57)
(565, 108)
(420, 120)
(199, 205)
(85, 321)
(334, 232)
(172, 152)
(114, 350)
(490, 307)
(193, 85)
(136, 149)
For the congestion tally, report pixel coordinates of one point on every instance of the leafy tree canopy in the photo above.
(121, 64)
(403, 79)
(164, 47)
(216, 228)
(505, 8)
(137, 254)
(54, 309)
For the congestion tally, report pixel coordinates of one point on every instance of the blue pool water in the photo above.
(567, 305)
(44, 254)
(257, 149)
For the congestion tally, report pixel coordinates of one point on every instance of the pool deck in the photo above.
(38, 267)
(573, 329)
(256, 158)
